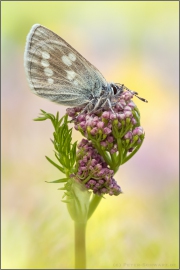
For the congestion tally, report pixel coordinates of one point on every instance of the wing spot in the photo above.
(72, 56)
(50, 81)
(44, 63)
(48, 72)
(70, 74)
(45, 55)
(66, 60)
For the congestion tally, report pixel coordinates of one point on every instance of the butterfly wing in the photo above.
(56, 71)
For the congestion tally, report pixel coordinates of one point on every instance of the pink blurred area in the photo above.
(135, 43)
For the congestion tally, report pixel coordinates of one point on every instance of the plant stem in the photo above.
(93, 204)
(104, 154)
(132, 154)
(80, 245)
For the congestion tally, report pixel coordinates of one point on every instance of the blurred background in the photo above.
(130, 42)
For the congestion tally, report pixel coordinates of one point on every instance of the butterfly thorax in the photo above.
(106, 99)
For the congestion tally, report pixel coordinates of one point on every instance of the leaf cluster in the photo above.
(64, 149)
(75, 195)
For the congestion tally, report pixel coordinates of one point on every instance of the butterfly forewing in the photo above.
(57, 71)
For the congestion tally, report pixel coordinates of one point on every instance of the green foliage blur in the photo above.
(130, 42)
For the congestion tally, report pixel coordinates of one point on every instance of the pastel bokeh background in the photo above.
(130, 42)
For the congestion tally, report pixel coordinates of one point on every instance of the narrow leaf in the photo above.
(40, 119)
(58, 181)
(57, 166)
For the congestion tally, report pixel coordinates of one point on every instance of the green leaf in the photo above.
(63, 188)
(57, 116)
(66, 201)
(62, 180)
(53, 163)
(42, 111)
(61, 160)
(40, 119)
(73, 153)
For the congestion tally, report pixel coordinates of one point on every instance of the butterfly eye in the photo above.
(114, 89)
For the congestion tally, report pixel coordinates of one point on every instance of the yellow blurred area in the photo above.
(130, 42)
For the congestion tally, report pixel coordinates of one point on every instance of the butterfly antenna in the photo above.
(143, 99)
(136, 95)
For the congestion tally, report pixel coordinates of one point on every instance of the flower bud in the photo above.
(100, 124)
(94, 131)
(106, 115)
(107, 130)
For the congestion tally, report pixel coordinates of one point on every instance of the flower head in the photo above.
(93, 171)
(112, 138)
(106, 127)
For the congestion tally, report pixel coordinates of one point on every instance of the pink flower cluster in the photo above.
(112, 137)
(106, 126)
(94, 172)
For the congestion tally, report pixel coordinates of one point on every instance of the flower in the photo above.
(93, 171)
(106, 127)
(112, 138)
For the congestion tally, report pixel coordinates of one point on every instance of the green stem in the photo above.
(120, 150)
(80, 245)
(104, 155)
(93, 205)
(132, 154)
(114, 160)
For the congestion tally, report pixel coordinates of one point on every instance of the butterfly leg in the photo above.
(110, 105)
(107, 102)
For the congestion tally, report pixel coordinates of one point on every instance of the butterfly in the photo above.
(56, 71)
